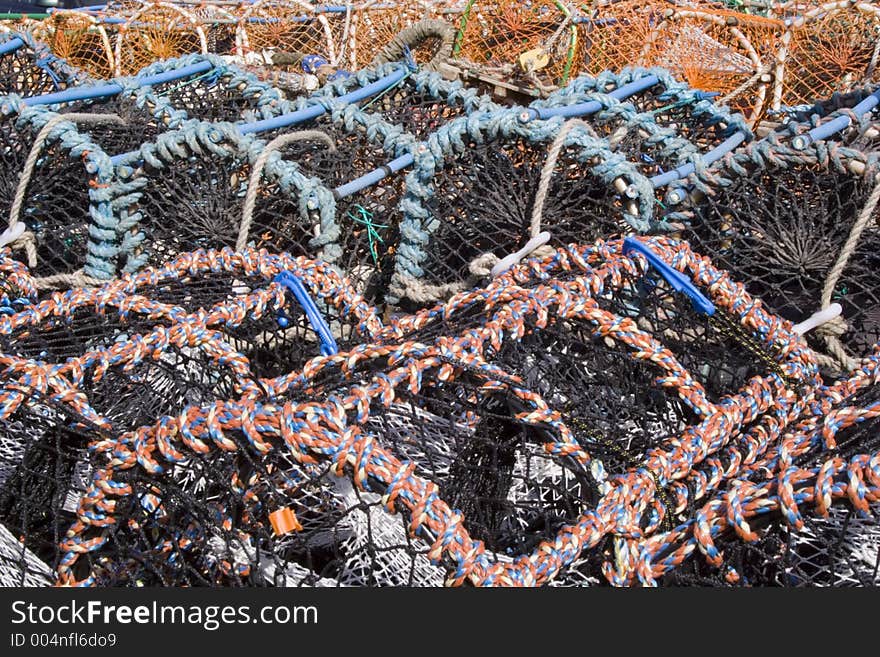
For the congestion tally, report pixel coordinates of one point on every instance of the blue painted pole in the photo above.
(11, 46)
(112, 89)
(830, 128)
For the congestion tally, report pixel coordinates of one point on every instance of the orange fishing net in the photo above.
(284, 26)
(720, 50)
(80, 40)
(376, 23)
(537, 38)
(157, 31)
(833, 47)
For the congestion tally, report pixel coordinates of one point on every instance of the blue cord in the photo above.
(290, 281)
(678, 281)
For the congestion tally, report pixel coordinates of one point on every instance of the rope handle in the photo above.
(291, 282)
(250, 199)
(678, 281)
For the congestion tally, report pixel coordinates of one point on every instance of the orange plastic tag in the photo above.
(284, 521)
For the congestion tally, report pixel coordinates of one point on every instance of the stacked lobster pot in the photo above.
(393, 332)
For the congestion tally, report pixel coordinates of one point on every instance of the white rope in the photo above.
(490, 264)
(250, 199)
(26, 239)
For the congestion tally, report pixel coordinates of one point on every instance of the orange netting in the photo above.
(799, 52)
(537, 37)
(376, 23)
(832, 48)
(80, 40)
(154, 32)
(290, 27)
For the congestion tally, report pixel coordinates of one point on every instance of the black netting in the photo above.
(23, 72)
(483, 201)
(781, 229)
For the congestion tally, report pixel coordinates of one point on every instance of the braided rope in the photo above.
(250, 199)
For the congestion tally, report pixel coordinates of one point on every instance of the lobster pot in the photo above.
(29, 68)
(376, 24)
(53, 413)
(55, 184)
(156, 31)
(224, 93)
(501, 35)
(79, 39)
(196, 300)
(294, 29)
(657, 139)
(629, 372)
(219, 24)
(44, 464)
(420, 103)
(831, 48)
(796, 227)
(863, 134)
(291, 516)
(802, 514)
(239, 294)
(711, 48)
(471, 199)
(203, 174)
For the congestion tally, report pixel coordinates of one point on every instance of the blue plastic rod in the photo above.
(371, 178)
(593, 106)
(307, 113)
(11, 46)
(316, 110)
(685, 170)
(581, 109)
(832, 127)
(112, 89)
(678, 281)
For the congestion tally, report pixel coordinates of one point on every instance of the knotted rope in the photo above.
(832, 330)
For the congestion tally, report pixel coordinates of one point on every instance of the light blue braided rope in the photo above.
(222, 141)
(266, 100)
(102, 248)
(418, 224)
(452, 92)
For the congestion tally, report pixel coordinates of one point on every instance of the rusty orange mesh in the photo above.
(613, 34)
(155, 32)
(279, 26)
(80, 40)
(832, 48)
(495, 34)
(719, 50)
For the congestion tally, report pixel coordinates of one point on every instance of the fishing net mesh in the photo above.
(153, 33)
(834, 50)
(255, 482)
(79, 40)
(28, 73)
(292, 28)
(496, 34)
(782, 228)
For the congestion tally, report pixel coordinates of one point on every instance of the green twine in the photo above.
(681, 103)
(387, 89)
(365, 218)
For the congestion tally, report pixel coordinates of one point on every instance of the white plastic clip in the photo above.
(509, 261)
(11, 234)
(818, 318)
